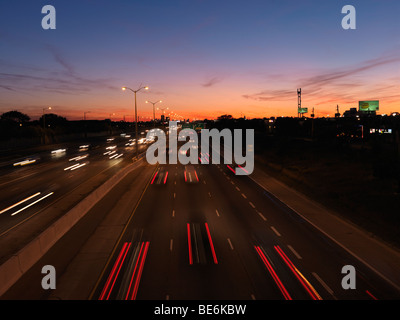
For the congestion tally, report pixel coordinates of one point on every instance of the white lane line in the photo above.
(31, 204)
(216, 211)
(322, 282)
(171, 243)
(276, 231)
(204, 181)
(232, 182)
(237, 189)
(262, 216)
(173, 213)
(209, 194)
(253, 297)
(244, 196)
(175, 182)
(251, 203)
(174, 195)
(167, 297)
(230, 243)
(294, 252)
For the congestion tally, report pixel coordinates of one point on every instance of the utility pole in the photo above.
(298, 102)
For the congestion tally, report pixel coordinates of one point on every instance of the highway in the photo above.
(222, 236)
(202, 233)
(40, 187)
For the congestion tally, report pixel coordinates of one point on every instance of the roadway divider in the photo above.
(15, 267)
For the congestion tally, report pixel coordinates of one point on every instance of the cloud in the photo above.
(67, 81)
(327, 84)
(211, 82)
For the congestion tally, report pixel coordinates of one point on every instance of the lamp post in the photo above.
(154, 111)
(44, 123)
(136, 122)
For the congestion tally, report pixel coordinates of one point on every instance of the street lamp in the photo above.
(136, 123)
(44, 124)
(44, 118)
(154, 112)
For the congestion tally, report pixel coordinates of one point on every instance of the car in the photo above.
(160, 177)
(191, 174)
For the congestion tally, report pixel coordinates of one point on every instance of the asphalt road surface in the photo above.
(202, 233)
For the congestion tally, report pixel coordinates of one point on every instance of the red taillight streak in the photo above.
(189, 244)
(135, 289)
(211, 244)
(165, 179)
(134, 271)
(243, 168)
(231, 169)
(122, 256)
(185, 177)
(196, 176)
(311, 291)
(154, 177)
(273, 274)
(371, 295)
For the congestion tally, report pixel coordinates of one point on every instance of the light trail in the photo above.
(273, 274)
(211, 244)
(31, 204)
(306, 284)
(20, 202)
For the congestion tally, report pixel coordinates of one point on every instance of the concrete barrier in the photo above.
(14, 268)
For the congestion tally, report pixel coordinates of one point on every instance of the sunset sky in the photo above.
(203, 58)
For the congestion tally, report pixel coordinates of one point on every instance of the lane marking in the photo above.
(244, 196)
(294, 252)
(173, 213)
(276, 231)
(251, 203)
(322, 282)
(171, 243)
(253, 297)
(262, 216)
(216, 211)
(230, 243)
(237, 188)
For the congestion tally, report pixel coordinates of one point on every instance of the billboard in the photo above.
(368, 106)
(302, 110)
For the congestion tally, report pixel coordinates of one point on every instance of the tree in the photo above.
(15, 116)
(225, 117)
(53, 120)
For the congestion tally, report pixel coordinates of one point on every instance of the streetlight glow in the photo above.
(136, 122)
